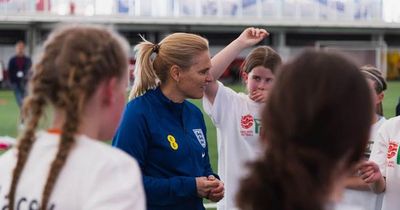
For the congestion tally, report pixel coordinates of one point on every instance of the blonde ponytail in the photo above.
(175, 49)
(145, 75)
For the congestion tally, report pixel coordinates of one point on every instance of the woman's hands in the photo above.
(217, 193)
(210, 188)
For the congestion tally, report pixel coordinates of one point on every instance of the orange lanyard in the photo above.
(54, 131)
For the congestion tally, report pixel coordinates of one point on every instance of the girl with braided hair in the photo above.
(82, 76)
(316, 124)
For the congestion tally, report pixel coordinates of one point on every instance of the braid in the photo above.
(85, 56)
(69, 129)
(32, 111)
(35, 104)
(73, 95)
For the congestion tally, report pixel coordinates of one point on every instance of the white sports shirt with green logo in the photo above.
(238, 123)
(385, 153)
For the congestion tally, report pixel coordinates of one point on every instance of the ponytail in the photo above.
(175, 49)
(145, 75)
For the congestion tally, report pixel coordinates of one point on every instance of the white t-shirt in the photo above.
(334, 206)
(368, 200)
(385, 153)
(238, 122)
(94, 177)
(341, 206)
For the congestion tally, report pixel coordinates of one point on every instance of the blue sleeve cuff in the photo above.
(169, 191)
(184, 186)
(216, 176)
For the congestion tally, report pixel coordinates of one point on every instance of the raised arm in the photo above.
(249, 37)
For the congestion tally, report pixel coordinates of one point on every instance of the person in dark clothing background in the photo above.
(18, 71)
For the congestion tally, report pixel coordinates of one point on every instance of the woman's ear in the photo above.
(175, 71)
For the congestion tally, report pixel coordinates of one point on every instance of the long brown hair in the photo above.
(316, 124)
(76, 59)
(175, 49)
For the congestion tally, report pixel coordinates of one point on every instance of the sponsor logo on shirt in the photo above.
(247, 121)
(249, 125)
(172, 142)
(392, 150)
(200, 137)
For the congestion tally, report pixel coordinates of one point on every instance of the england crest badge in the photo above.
(200, 137)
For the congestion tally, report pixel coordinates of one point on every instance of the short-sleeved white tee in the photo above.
(368, 200)
(94, 177)
(238, 122)
(385, 152)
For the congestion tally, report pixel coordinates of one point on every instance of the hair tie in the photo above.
(156, 48)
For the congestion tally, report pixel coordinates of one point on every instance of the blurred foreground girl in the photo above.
(82, 76)
(316, 125)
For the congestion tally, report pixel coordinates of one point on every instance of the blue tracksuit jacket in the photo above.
(169, 141)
